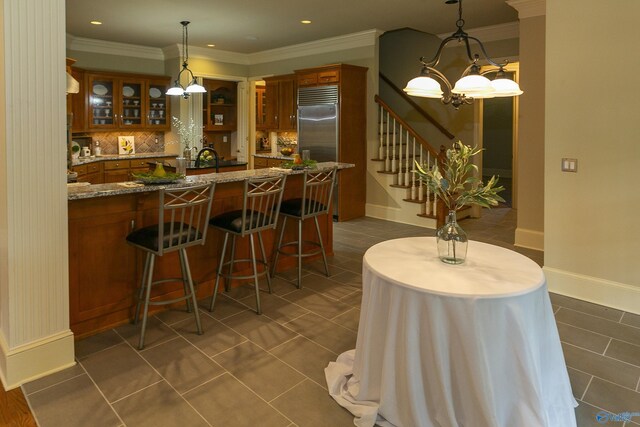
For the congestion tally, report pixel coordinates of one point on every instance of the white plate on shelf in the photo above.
(154, 92)
(100, 90)
(128, 91)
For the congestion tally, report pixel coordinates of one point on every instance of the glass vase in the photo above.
(452, 241)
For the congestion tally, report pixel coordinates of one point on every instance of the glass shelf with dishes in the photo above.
(132, 104)
(157, 105)
(101, 112)
(220, 105)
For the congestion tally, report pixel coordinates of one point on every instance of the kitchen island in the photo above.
(104, 271)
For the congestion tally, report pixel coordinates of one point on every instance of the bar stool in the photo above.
(187, 211)
(316, 199)
(260, 207)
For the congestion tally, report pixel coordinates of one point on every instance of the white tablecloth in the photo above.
(472, 345)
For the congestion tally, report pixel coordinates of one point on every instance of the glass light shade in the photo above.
(505, 87)
(424, 86)
(176, 90)
(194, 87)
(474, 86)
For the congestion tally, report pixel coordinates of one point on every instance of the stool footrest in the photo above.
(295, 244)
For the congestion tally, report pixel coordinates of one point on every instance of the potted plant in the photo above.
(455, 182)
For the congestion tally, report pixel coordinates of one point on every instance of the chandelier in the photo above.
(472, 84)
(193, 86)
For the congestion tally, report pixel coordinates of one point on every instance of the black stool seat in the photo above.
(147, 237)
(293, 207)
(232, 221)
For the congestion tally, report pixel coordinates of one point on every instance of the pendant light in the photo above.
(193, 86)
(472, 84)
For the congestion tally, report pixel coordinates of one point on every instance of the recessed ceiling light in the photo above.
(305, 21)
(96, 22)
(211, 45)
(252, 38)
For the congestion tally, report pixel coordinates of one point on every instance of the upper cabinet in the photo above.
(318, 76)
(281, 104)
(119, 101)
(220, 105)
(261, 113)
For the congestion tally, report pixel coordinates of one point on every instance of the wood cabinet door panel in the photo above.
(103, 278)
(287, 104)
(119, 175)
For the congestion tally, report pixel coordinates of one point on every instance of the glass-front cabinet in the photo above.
(127, 102)
(221, 105)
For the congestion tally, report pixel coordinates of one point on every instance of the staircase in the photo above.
(399, 147)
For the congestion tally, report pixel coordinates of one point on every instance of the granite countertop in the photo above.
(274, 156)
(103, 157)
(81, 191)
(191, 165)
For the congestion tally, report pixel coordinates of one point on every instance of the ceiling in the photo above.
(248, 26)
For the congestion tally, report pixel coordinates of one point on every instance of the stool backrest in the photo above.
(317, 191)
(261, 204)
(185, 214)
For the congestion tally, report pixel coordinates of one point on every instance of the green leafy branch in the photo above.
(457, 185)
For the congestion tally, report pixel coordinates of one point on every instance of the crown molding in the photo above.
(510, 30)
(529, 8)
(175, 51)
(82, 44)
(332, 44)
(348, 41)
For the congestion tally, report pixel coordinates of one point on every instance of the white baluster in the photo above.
(381, 148)
(400, 174)
(427, 205)
(407, 173)
(435, 205)
(394, 165)
(413, 178)
(387, 161)
(421, 190)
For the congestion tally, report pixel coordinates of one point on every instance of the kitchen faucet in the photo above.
(215, 156)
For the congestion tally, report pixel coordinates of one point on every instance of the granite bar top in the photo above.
(191, 164)
(103, 157)
(81, 191)
(274, 156)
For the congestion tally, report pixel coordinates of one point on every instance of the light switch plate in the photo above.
(569, 165)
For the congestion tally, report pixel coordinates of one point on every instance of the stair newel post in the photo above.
(413, 178)
(407, 175)
(428, 202)
(381, 148)
(387, 161)
(421, 189)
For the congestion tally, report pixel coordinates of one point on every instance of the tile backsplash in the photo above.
(145, 142)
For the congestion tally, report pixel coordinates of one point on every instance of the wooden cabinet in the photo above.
(352, 133)
(281, 104)
(91, 172)
(116, 171)
(260, 162)
(121, 101)
(318, 76)
(261, 113)
(75, 101)
(220, 106)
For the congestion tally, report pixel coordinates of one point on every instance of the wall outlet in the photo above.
(224, 138)
(569, 165)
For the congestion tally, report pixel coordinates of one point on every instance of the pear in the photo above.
(159, 171)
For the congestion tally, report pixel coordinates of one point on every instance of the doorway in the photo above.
(497, 133)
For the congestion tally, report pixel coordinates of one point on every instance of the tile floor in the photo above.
(249, 370)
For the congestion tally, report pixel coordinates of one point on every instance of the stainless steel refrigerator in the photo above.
(318, 126)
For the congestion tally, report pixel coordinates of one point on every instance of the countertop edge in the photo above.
(103, 157)
(116, 189)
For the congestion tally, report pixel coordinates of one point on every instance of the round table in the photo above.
(453, 345)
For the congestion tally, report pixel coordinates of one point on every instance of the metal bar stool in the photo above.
(260, 207)
(186, 210)
(316, 199)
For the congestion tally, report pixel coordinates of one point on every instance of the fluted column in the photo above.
(34, 298)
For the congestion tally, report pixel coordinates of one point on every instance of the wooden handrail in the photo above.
(423, 142)
(418, 108)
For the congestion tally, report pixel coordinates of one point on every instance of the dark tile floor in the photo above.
(249, 370)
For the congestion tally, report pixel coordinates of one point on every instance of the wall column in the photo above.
(35, 339)
(531, 125)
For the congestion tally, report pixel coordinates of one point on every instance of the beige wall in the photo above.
(530, 165)
(591, 217)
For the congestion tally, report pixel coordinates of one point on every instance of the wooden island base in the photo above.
(105, 271)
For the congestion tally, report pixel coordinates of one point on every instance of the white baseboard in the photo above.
(406, 215)
(36, 359)
(529, 239)
(593, 289)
